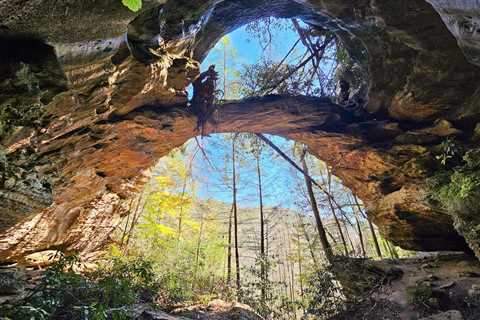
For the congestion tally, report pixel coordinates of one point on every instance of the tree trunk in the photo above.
(180, 216)
(235, 217)
(332, 208)
(360, 232)
(339, 227)
(348, 236)
(307, 237)
(327, 249)
(391, 249)
(267, 235)
(372, 229)
(290, 263)
(300, 267)
(263, 257)
(375, 239)
(284, 278)
(229, 254)
(331, 237)
(136, 215)
(386, 248)
(197, 253)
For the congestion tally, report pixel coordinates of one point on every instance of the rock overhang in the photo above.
(416, 72)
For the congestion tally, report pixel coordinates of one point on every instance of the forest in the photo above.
(312, 206)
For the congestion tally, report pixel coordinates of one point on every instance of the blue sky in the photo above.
(249, 49)
(214, 176)
(277, 174)
(280, 180)
(243, 49)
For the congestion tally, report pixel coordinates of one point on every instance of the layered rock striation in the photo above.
(82, 124)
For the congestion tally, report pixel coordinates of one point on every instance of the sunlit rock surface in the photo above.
(80, 130)
(462, 17)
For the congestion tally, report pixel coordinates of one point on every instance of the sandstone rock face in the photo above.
(463, 20)
(80, 128)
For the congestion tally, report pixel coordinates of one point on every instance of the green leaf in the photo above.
(133, 5)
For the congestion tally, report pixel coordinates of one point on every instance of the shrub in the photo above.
(345, 290)
(174, 289)
(270, 303)
(324, 297)
(108, 293)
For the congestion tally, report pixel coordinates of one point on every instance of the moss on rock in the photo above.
(458, 190)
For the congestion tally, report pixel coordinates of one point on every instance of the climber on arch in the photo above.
(204, 90)
(353, 103)
(344, 95)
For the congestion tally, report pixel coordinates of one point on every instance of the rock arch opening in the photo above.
(200, 193)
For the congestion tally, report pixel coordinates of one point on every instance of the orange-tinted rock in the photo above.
(71, 172)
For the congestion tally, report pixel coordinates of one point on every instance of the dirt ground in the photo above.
(431, 284)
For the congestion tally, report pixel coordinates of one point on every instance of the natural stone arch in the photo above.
(119, 116)
(90, 205)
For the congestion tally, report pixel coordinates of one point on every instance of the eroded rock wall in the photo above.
(74, 165)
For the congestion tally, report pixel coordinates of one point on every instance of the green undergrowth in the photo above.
(110, 292)
(346, 290)
(361, 276)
